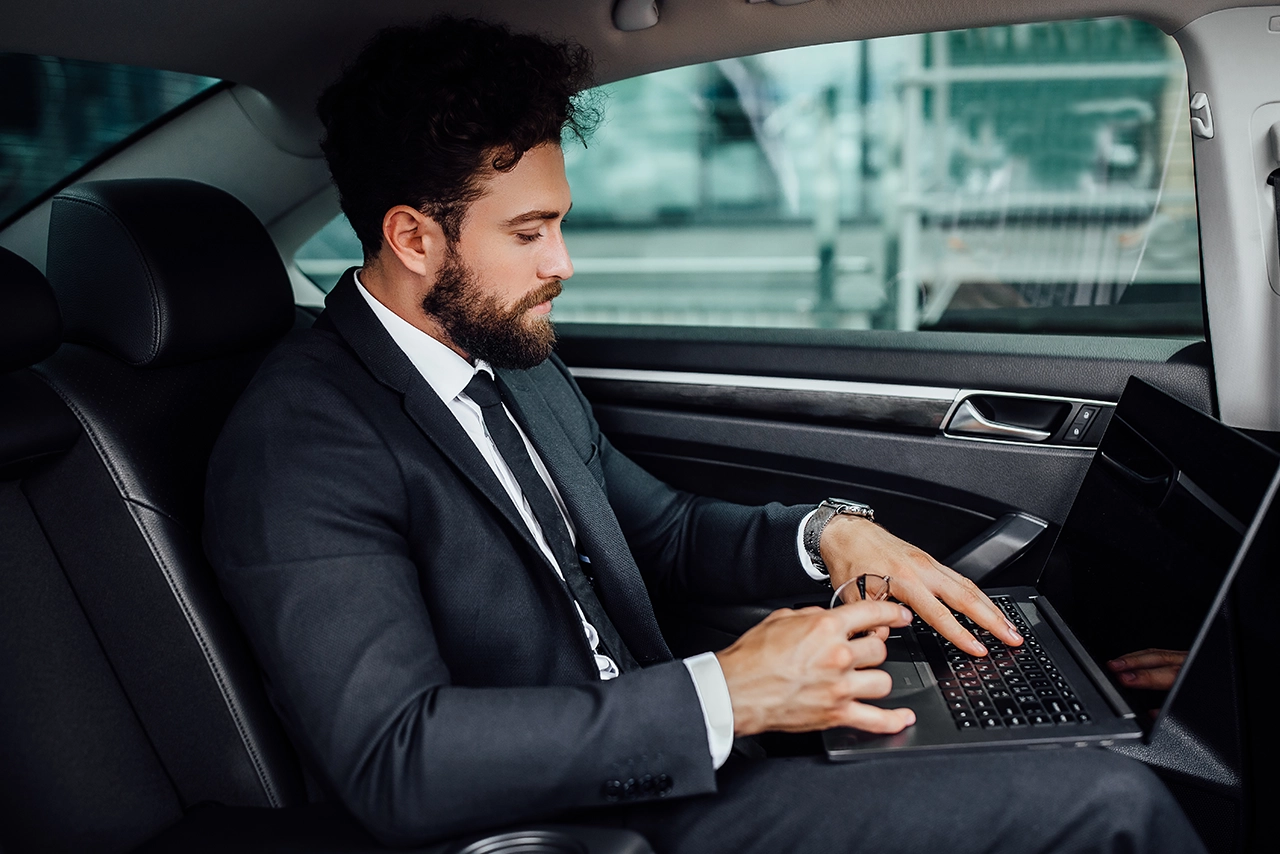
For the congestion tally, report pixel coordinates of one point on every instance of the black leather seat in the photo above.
(79, 770)
(128, 693)
(171, 293)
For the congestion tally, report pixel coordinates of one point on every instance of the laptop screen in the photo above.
(1158, 520)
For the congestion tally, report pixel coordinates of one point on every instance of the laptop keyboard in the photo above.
(1011, 687)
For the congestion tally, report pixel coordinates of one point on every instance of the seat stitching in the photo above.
(183, 604)
(151, 285)
(214, 667)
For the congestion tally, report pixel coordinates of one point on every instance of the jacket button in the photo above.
(648, 786)
(612, 790)
(630, 789)
(664, 784)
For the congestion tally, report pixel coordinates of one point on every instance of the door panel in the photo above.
(1088, 367)
(871, 429)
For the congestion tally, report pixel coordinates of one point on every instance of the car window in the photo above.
(1030, 178)
(58, 115)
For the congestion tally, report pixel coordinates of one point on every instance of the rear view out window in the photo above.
(1031, 178)
(57, 115)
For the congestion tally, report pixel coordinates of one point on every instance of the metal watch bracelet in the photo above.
(822, 516)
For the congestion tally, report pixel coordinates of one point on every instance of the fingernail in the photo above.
(1128, 676)
(1116, 664)
(910, 716)
(982, 650)
(1013, 630)
(906, 613)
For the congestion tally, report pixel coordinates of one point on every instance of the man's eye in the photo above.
(528, 238)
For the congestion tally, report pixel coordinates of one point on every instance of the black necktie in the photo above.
(484, 391)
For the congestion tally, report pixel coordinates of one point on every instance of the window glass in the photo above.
(56, 115)
(1032, 178)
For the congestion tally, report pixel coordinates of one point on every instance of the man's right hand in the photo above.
(798, 671)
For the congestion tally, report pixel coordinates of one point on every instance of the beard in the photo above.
(481, 327)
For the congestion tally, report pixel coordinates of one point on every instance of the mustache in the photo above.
(548, 291)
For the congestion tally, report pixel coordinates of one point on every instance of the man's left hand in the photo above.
(852, 546)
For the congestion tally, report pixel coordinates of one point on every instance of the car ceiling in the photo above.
(289, 49)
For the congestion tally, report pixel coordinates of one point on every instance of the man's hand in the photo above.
(798, 671)
(851, 546)
(1155, 669)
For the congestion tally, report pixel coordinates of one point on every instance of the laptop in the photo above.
(1165, 513)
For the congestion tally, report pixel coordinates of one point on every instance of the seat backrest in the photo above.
(171, 293)
(79, 772)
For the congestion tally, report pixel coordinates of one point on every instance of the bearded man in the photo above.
(444, 566)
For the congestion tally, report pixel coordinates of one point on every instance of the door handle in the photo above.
(969, 421)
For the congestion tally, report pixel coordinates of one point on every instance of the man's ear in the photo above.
(416, 239)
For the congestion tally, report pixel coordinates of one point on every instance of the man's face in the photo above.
(493, 291)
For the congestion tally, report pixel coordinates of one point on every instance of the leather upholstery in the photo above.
(79, 771)
(163, 271)
(174, 293)
(30, 325)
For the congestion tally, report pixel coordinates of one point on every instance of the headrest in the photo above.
(159, 271)
(30, 326)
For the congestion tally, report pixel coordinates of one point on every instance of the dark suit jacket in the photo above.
(424, 656)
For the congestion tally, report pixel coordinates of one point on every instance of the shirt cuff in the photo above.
(717, 710)
(806, 562)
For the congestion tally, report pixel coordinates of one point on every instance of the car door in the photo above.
(914, 272)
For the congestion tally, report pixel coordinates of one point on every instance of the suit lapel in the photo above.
(351, 316)
(618, 582)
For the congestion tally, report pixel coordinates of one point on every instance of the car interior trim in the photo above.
(777, 383)
(887, 404)
(900, 406)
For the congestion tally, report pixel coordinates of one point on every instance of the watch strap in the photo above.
(821, 517)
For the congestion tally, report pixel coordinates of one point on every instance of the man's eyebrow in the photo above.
(534, 216)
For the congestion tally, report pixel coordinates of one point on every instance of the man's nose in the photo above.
(556, 263)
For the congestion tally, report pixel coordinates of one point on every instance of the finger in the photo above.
(1154, 678)
(939, 616)
(868, 651)
(881, 632)
(860, 616)
(869, 684)
(1147, 658)
(967, 598)
(875, 719)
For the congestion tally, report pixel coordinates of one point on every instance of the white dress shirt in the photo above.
(448, 375)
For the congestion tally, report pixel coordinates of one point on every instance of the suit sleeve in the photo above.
(305, 514)
(685, 544)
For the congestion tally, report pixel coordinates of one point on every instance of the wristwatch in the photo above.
(828, 510)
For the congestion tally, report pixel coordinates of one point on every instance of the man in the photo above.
(444, 567)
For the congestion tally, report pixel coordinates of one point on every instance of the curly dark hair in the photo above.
(426, 111)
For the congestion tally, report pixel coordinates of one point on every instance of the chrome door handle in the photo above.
(969, 421)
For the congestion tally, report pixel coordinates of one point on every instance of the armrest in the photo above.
(329, 829)
(1007, 538)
